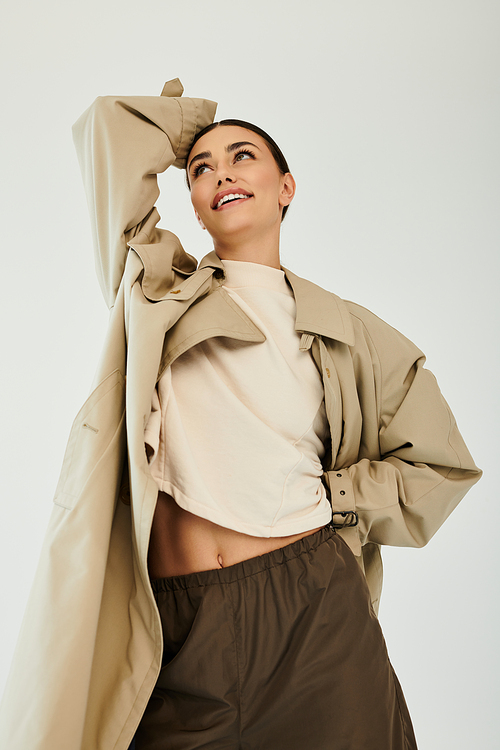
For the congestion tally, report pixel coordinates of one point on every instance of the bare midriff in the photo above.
(183, 543)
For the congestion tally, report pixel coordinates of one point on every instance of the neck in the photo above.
(264, 250)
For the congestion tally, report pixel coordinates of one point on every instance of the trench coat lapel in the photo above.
(215, 314)
(319, 312)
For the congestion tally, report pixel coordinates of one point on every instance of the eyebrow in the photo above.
(229, 149)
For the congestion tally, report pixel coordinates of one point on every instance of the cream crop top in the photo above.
(237, 429)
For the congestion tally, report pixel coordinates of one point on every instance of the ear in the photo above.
(202, 225)
(287, 191)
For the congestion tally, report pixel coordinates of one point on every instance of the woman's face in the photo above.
(236, 186)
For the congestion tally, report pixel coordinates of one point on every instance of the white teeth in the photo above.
(230, 197)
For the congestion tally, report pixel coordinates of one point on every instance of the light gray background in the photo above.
(388, 113)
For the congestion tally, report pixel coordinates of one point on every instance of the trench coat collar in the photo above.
(318, 311)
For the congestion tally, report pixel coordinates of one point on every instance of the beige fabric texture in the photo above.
(225, 441)
(90, 648)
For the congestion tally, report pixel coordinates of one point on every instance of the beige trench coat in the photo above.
(90, 648)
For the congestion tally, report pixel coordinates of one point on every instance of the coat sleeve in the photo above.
(122, 144)
(424, 467)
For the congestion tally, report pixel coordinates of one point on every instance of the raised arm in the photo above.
(122, 144)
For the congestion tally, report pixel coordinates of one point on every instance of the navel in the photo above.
(219, 560)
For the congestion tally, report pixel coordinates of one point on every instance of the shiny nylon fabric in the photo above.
(280, 651)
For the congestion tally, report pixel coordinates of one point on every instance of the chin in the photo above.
(232, 230)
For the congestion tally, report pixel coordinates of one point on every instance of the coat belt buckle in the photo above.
(349, 519)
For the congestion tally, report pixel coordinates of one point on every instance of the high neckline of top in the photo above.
(241, 273)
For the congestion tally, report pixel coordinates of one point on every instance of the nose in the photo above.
(227, 179)
(224, 172)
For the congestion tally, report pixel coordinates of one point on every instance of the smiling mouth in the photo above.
(231, 198)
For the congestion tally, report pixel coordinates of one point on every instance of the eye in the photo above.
(243, 154)
(199, 169)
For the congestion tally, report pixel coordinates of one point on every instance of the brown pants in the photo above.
(280, 652)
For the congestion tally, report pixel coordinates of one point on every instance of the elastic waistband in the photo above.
(246, 568)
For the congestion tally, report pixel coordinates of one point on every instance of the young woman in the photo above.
(275, 437)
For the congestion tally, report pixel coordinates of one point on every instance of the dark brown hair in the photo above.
(275, 150)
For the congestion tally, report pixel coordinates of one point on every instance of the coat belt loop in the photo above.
(306, 342)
